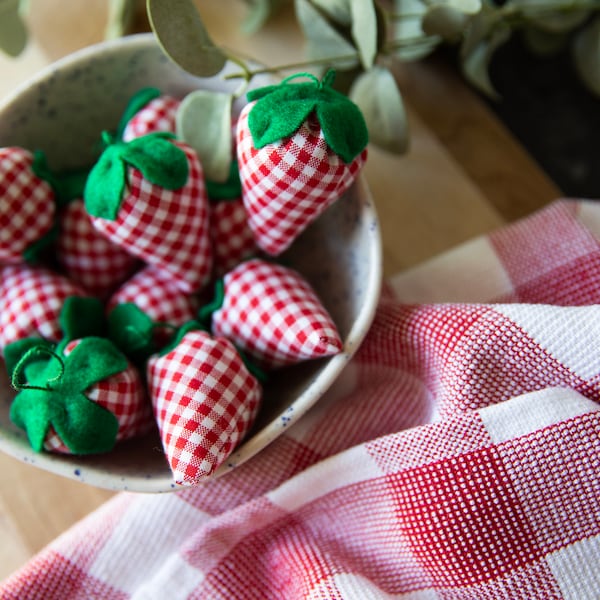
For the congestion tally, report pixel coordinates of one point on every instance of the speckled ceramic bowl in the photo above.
(61, 111)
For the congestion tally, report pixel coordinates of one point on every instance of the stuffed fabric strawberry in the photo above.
(204, 400)
(80, 399)
(88, 257)
(27, 206)
(149, 197)
(155, 293)
(158, 114)
(31, 299)
(299, 146)
(272, 314)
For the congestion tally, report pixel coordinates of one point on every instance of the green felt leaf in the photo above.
(206, 312)
(105, 184)
(159, 160)
(376, 93)
(66, 185)
(15, 351)
(182, 36)
(364, 30)
(586, 53)
(138, 101)
(92, 360)
(30, 410)
(13, 32)
(322, 39)
(204, 122)
(132, 331)
(82, 317)
(231, 189)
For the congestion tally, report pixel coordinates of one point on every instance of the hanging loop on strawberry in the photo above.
(281, 109)
(160, 162)
(37, 352)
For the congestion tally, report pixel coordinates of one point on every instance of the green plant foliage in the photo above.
(181, 34)
(259, 12)
(586, 52)
(13, 33)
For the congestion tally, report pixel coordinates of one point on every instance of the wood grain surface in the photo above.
(463, 176)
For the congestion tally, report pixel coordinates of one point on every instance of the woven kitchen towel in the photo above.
(456, 457)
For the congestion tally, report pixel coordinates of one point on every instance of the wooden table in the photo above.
(463, 176)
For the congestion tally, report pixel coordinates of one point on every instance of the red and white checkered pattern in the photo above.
(88, 257)
(26, 205)
(397, 484)
(158, 115)
(153, 291)
(287, 185)
(31, 299)
(168, 229)
(204, 400)
(124, 395)
(272, 313)
(232, 238)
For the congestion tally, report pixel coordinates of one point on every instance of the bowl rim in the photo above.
(67, 466)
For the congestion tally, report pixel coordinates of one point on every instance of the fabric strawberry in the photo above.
(155, 293)
(272, 313)
(205, 400)
(148, 196)
(27, 207)
(158, 113)
(299, 146)
(232, 238)
(31, 299)
(88, 257)
(78, 399)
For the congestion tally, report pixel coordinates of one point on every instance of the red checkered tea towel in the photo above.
(455, 458)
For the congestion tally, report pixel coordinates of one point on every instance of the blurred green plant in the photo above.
(364, 40)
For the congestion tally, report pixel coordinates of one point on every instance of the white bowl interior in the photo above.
(62, 111)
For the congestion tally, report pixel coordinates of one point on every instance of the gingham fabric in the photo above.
(158, 115)
(124, 395)
(27, 209)
(286, 186)
(204, 401)
(271, 312)
(232, 238)
(88, 257)
(31, 299)
(168, 229)
(153, 291)
(406, 480)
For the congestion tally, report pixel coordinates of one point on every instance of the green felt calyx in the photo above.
(281, 109)
(160, 161)
(52, 392)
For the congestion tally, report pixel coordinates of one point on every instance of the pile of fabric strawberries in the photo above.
(137, 294)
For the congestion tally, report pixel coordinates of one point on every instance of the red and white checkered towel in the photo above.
(458, 456)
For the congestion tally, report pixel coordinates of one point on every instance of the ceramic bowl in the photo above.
(61, 111)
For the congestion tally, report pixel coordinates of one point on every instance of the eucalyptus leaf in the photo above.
(555, 16)
(586, 53)
(204, 122)
(446, 21)
(408, 28)
(13, 33)
(340, 11)
(544, 43)
(364, 30)
(258, 14)
(476, 62)
(181, 34)
(323, 41)
(467, 7)
(121, 14)
(377, 95)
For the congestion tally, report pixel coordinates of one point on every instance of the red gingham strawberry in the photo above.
(159, 114)
(77, 398)
(272, 314)
(88, 257)
(31, 299)
(149, 197)
(27, 206)
(204, 400)
(300, 147)
(155, 293)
